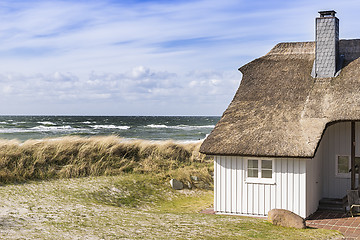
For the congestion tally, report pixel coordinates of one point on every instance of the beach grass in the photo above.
(71, 157)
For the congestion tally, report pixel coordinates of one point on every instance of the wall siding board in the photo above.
(342, 135)
(239, 184)
(216, 194)
(228, 184)
(261, 196)
(245, 189)
(273, 197)
(223, 184)
(256, 198)
(219, 185)
(313, 183)
(216, 184)
(309, 187)
(234, 184)
(334, 186)
(296, 185)
(278, 183)
(302, 211)
(250, 199)
(324, 161)
(284, 183)
(290, 195)
(268, 198)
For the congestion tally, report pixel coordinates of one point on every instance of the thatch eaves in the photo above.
(280, 109)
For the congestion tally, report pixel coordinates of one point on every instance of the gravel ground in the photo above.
(63, 209)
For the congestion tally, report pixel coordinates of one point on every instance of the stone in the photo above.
(194, 178)
(285, 218)
(175, 184)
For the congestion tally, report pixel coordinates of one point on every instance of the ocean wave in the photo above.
(180, 127)
(110, 127)
(156, 126)
(54, 128)
(16, 123)
(3, 123)
(13, 130)
(46, 123)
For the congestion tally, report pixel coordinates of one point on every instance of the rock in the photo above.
(189, 186)
(194, 178)
(286, 218)
(175, 184)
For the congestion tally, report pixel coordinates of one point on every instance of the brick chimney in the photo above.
(327, 45)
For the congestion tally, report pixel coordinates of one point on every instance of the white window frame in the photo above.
(259, 179)
(344, 175)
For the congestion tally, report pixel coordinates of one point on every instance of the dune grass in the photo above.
(71, 157)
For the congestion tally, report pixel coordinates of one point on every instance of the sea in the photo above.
(177, 128)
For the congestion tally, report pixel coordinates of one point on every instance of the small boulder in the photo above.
(175, 184)
(285, 218)
(194, 178)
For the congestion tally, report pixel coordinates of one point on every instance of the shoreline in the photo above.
(121, 139)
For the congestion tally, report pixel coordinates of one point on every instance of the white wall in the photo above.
(336, 141)
(234, 195)
(314, 182)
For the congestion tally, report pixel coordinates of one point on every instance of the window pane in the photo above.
(266, 173)
(252, 163)
(266, 164)
(343, 164)
(252, 173)
(357, 161)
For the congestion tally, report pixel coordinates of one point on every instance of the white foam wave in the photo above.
(110, 127)
(3, 123)
(13, 130)
(54, 128)
(157, 126)
(46, 123)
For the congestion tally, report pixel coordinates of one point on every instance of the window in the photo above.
(253, 169)
(343, 165)
(259, 171)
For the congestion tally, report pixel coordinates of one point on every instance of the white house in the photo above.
(285, 141)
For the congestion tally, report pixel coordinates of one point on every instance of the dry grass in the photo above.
(71, 157)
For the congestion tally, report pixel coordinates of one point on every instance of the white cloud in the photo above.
(145, 86)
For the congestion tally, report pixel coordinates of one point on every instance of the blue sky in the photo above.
(143, 57)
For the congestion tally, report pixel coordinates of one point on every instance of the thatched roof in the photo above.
(280, 110)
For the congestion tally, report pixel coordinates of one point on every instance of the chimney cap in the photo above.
(327, 13)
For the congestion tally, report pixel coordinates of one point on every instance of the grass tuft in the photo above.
(71, 157)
